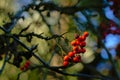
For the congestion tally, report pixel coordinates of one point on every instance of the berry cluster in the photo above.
(115, 7)
(25, 66)
(110, 28)
(77, 47)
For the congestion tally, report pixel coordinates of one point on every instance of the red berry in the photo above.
(26, 66)
(85, 34)
(65, 63)
(78, 50)
(81, 38)
(22, 68)
(73, 43)
(112, 23)
(77, 42)
(76, 59)
(82, 44)
(83, 50)
(75, 48)
(66, 58)
(118, 31)
(27, 62)
(71, 54)
(113, 31)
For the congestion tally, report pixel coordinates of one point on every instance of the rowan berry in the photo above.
(26, 66)
(85, 34)
(71, 54)
(83, 50)
(66, 58)
(65, 63)
(77, 42)
(76, 59)
(118, 31)
(22, 68)
(27, 62)
(73, 43)
(76, 49)
(81, 38)
(82, 44)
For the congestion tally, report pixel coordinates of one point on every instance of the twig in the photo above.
(68, 74)
(67, 10)
(108, 53)
(4, 63)
(39, 36)
(112, 62)
(54, 69)
(6, 57)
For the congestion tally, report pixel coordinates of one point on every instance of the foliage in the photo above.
(37, 36)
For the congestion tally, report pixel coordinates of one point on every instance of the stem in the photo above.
(6, 55)
(109, 54)
(112, 62)
(68, 74)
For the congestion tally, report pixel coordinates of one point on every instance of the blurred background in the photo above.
(46, 28)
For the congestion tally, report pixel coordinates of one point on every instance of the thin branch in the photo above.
(62, 72)
(6, 57)
(53, 68)
(43, 18)
(112, 61)
(68, 74)
(67, 10)
(108, 53)
(3, 29)
(39, 36)
(30, 68)
(4, 62)
(19, 74)
(24, 29)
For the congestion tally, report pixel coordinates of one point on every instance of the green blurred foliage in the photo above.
(51, 51)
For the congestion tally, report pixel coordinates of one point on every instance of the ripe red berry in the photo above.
(83, 50)
(26, 66)
(118, 31)
(66, 58)
(81, 38)
(65, 63)
(78, 51)
(76, 59)
(85, 34)
(75, 48)
(27, 62)
(22, 68)
(71, 54)
(77, 42)
(73, 43)
(82, 44)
